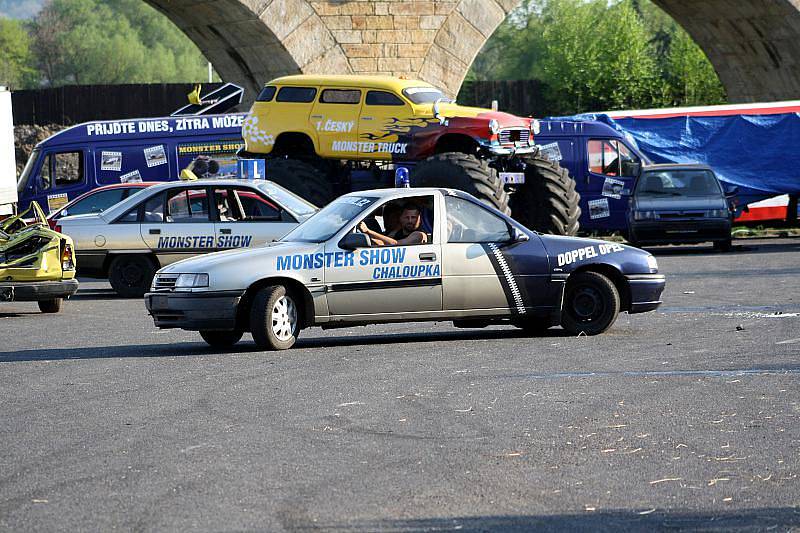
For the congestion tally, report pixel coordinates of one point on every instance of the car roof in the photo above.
(404, 192)
(676, 166)
(342, 80)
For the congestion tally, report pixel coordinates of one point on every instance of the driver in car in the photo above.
(407, 233)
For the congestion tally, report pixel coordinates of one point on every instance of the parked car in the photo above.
(97, 200)
(163, 223)
(474, 265)
(677, 204)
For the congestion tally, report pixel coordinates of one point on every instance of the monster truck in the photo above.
(323, 136)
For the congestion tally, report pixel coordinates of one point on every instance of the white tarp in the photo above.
(8, 167)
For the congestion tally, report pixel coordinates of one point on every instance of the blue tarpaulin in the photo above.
(758, 153)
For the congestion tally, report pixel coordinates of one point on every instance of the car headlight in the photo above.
(652, 263)
(189, 281)
(717, 213)
(644, 215)
(536, 127)
(494, 127)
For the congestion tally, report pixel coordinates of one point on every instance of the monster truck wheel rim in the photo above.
(284, 318)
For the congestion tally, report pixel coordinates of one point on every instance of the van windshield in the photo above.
(26, 172)
(665, 183)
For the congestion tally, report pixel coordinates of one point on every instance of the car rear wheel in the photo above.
(221, 339)
(302, 178)
(548, 201)
(131, 275)
(465, 172)
(275, 318)
(50, 306)
(591, 304)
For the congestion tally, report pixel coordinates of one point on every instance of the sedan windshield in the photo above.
(424, 95)
(326, 223)
(694, 183)
(288, 200)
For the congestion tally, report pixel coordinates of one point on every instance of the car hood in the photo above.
(568, 253)
(679, 203)
(503, 119)
(237, 258)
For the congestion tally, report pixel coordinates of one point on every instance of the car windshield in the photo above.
(424, 95)
(26, 172)
(290, 201)
(678, 183)
(328, 221)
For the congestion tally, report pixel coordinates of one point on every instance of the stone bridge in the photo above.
(752, 44)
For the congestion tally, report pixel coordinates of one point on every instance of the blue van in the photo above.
(86, 156)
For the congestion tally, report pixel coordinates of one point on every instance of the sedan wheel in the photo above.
(591, 304)
(274, 318)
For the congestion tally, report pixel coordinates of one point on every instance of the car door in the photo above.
(404, 281)
(485, 269)
(385, 126)
(246, 218)
(176, 224)
(334, 118)
(62, 177)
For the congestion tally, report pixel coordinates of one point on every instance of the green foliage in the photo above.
(111, 41)
(594, 55)
(15, 44)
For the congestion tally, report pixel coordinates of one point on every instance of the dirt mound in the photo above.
(26, 137)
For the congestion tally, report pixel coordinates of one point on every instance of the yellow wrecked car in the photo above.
(37, 264)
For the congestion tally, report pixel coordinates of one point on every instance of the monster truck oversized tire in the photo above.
(548, 201)
(302, 178)
(464, 172)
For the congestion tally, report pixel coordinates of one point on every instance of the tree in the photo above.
(693, 80)
(15, 67)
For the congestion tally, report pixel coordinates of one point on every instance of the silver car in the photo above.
(174, 220)
(397, 255)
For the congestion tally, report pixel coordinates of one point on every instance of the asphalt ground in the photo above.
(683, 418)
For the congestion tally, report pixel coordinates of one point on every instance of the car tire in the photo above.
(302, 178)
(548, 201)
(724, 245)
(131, 275)
(591, 304)
(50, 306)
(275, 318)
(221, 339)
(465, 172)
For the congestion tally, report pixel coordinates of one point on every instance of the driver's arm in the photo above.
(377, 238)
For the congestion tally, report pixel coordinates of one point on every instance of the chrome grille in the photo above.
(512, 136)
(164, 282)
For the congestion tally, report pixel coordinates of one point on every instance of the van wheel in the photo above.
(301, 178)
(591, 304)
(464, 172)
(221, 339)
(274, 318)
(131, 275)
(548, 201)
(50, 306)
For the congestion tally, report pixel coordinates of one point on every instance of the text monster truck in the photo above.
(323, 136)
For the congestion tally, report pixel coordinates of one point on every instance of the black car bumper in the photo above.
(194, 310)
(37, 291)
(680, 231)
(646, 291)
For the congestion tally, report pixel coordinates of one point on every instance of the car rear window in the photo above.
(266, 94)
(297, 94)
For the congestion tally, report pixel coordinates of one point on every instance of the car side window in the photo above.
(296, 94)
(266, 94)
(45, 179)
(604, 157)
(340, 96)
(153, 209)
(68, 168)
(187, 206)
(383, 98)
(97, 203)
(469, 223)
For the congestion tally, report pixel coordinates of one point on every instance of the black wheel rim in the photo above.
(131, 275)
(587, 304)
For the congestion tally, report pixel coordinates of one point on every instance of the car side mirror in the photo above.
(64, 213)
(351, 241)
(519, 236)
(733, 191)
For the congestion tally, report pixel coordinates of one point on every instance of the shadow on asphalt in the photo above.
(765, 519)
(183, 349)
(699, 250)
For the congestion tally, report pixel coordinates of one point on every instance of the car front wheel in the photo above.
(591, 304)
(275, 318)
(131, 275)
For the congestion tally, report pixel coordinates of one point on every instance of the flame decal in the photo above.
(397, 126)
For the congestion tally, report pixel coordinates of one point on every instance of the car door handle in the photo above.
(316, 116)
(225, 231)
(155, 232)
(366, 118)
(427, 257)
